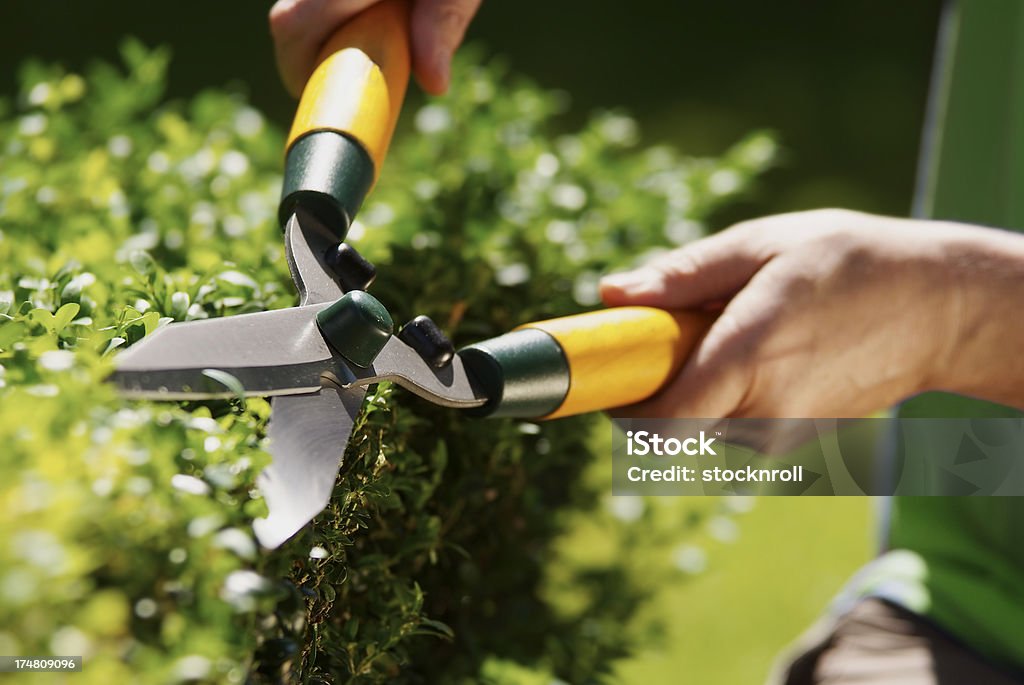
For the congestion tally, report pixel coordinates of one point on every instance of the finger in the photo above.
(438, 27)
(300, 28)
(718, 379)
(709, 270)
(710, 385)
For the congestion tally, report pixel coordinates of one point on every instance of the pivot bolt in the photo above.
(429, 341)
(351, 269)
(357, 326)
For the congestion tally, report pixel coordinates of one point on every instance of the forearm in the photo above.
(986, 313)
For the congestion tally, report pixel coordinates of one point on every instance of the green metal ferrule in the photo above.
(523, 373)
(328, 174)
(357, 326)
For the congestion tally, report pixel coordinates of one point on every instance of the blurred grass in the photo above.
(729, 582)
(728, 624)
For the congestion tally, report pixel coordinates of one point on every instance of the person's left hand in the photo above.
(300, 28)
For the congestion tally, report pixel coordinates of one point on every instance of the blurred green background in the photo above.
(842, 84)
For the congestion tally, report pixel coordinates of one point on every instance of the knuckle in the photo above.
(748, 226)
(679, 264)
(832, 218)
(756, 235)
(829, 214)
(797, 284)
(854, 259)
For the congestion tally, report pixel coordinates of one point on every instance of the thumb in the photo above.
(707, 271)
(438, 27)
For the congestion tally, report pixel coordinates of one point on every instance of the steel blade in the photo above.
(278, 352)
(308, 434)
(306, 242)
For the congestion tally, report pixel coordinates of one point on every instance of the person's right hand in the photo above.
(838, 314)
(301, 27)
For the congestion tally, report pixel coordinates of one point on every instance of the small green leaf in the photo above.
(352, 628)
(431, 627)
(10, 333)
(6, 301)
(228, 381)
(151, 320)
(142, 263)
(64, 316)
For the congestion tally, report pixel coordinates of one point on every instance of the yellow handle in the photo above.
(360, 82)
(621, 355)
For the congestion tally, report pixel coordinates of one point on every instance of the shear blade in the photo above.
(279, 352)
(308, 434)
(282, 354)
(274, 353)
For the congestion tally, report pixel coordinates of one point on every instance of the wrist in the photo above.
(982, 288)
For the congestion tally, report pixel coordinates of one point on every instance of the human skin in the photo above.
(301, 27)
(834, 313)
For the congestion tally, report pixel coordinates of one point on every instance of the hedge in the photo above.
(127, 525)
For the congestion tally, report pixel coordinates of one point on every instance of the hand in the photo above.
(834, 313)
(300, 28)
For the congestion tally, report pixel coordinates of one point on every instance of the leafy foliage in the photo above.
(127, 524)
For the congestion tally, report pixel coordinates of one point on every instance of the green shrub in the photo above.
(127, 524)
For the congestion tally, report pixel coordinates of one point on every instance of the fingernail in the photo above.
(629, 282)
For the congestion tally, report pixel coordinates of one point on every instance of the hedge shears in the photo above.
(316, 360)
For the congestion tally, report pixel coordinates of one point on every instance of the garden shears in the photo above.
(316, 360)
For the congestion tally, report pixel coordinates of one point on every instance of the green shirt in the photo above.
(960, 561)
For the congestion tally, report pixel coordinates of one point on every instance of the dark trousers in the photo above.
(878, 643)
